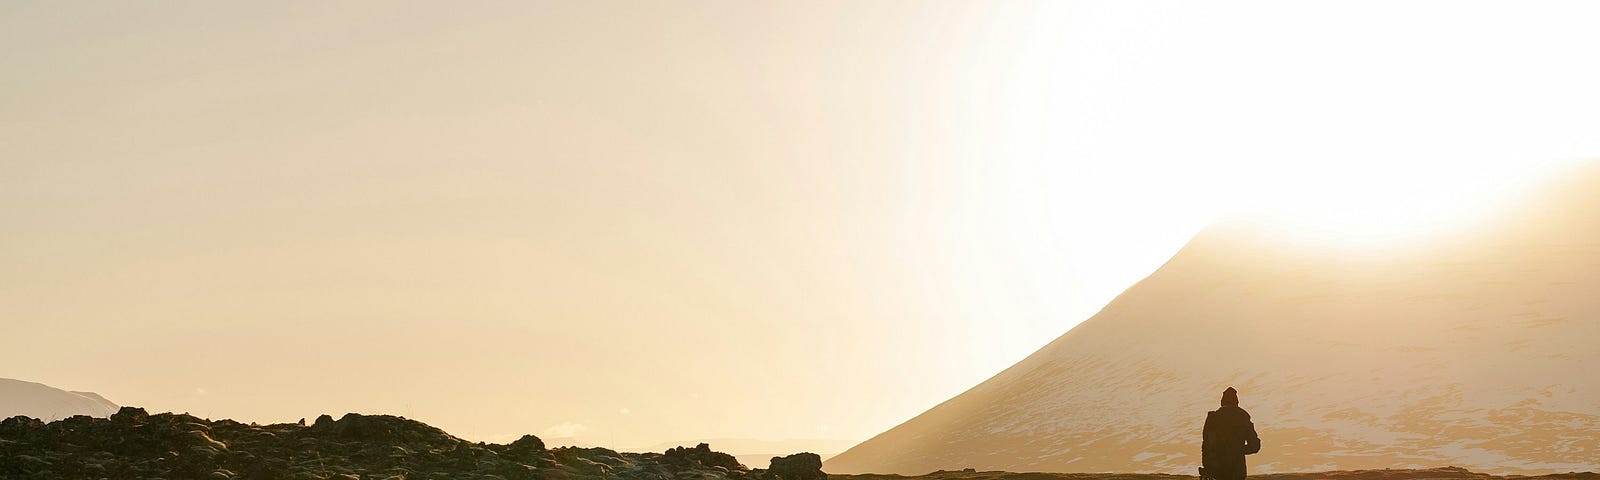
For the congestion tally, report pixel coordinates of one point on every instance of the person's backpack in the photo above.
(1211, 443)
(1208, 443)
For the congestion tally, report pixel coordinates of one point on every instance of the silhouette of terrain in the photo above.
(134, 444)
(1443, 473)
(1474, 348)
(752, 451)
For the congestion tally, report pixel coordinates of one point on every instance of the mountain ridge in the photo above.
(1460, 351)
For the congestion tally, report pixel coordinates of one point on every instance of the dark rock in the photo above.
(800, 466)
(19, 424)
(130, 414)
(528, 444)
(700, 456)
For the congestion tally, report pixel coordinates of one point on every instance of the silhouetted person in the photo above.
(1228, 437)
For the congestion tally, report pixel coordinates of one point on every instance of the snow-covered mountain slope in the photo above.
(1478, 349)
(49, 403)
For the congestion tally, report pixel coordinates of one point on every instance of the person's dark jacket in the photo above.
(1229, 436)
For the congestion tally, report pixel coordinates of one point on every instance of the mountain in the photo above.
(1475, 349)
(48, 403)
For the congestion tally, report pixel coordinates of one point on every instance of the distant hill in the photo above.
(1476, 349)
(48, 403)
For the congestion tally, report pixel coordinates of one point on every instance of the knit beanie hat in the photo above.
(1230, 397)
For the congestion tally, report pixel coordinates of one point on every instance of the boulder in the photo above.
(800, 466)
(130, 415)
(527, 444)
(700, 456)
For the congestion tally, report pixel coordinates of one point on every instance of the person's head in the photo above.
(1230, 397)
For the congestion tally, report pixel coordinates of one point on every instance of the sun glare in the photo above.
(1276, 109)
(1396, 205)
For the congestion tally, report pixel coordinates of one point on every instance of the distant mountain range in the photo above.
(48, 403)
(1477, 349)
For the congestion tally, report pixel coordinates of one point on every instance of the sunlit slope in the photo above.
(1476, 349)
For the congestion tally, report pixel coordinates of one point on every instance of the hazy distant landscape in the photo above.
(789, 240)
(1462, 353)
(48, 403)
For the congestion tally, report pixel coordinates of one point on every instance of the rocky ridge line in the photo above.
(135, 444)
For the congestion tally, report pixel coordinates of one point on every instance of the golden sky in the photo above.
(639, 222)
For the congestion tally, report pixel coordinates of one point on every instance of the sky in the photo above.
(641, 222)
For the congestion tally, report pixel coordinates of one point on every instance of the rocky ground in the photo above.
(132, 444)
(1445, 473)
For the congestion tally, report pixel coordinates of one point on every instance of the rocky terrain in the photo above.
(1444, 473)
(133, 444)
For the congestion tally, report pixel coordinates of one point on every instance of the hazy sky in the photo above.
(639, 222)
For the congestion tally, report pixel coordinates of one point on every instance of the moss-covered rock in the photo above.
(135, 444)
